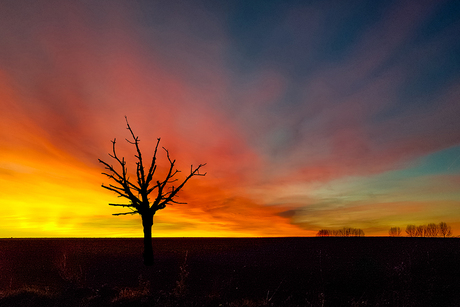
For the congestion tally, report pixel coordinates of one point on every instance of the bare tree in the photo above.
(444, 230)
(138, 191)
(394, 232)
(432, 230)
(421, 231)
(344, 232)
(323, 233)
(411, 230)
(338, 233)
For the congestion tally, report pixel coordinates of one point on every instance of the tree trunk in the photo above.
(147, 223)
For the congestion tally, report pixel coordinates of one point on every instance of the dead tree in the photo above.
(138, 191)
(445, 230)
(323, 233)
(394, 232)
(411, 230)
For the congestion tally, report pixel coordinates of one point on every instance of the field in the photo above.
(231, 272)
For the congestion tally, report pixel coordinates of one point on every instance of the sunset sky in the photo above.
(309, 114)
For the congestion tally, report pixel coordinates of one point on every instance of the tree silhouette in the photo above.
(420, 231)
(445, 230)
(138, 191)
(344, 232)
(323, 233)
(394, 232)
(411, 230)
(432, 230)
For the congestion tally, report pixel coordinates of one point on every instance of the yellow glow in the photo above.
(63, 198)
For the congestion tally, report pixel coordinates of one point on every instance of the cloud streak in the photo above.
(294, 106)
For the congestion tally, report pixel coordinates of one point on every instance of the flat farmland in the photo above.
(331, 271)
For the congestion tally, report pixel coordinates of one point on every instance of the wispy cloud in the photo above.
(301, 110)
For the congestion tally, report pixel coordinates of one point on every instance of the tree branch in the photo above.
(143, 186)
(125, 213)
(122, 205)
(178, 202)
(173, 193)
(120, 194)
(140, 165)
(153, 166)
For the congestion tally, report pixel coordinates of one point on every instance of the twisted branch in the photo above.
(137, 192)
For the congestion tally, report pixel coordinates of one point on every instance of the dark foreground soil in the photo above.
(231, 272)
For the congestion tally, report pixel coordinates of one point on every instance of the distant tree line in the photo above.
(344, 232)
(430, 230)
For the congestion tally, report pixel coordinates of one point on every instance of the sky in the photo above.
(309, 114)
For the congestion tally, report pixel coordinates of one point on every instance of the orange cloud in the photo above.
(53, 191)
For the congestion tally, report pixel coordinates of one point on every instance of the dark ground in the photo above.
(232, 272)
